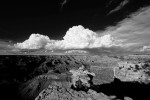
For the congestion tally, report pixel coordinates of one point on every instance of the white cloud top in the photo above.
(130, 34)
(76, 37)
(35, 41)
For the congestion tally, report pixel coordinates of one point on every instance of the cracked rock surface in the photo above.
(57, 92)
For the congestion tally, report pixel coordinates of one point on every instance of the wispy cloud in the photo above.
(64, 2)
(120, 6)
(134, 31)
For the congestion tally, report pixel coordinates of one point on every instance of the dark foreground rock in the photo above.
(74, 77)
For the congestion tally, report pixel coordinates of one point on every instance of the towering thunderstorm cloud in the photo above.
(76, 37)
(131, 34)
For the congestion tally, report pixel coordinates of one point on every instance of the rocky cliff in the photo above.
(72, 77)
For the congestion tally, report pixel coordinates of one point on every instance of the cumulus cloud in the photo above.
(35, 41)
(130, 34)
(79, 37)
(76, 37)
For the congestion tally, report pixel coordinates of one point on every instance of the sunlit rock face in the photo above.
(102, 75)
(81, 75)
(57, 92)
(132, 71)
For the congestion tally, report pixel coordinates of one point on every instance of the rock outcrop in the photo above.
(132, 71)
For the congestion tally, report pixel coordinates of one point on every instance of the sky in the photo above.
(113, 26)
